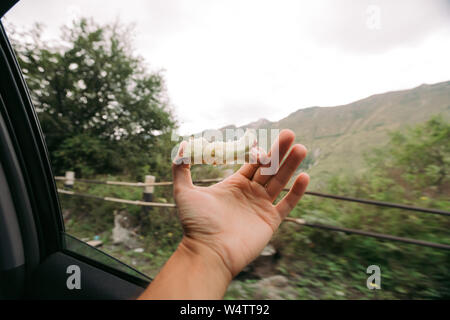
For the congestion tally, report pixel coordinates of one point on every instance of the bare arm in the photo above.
(226, 225)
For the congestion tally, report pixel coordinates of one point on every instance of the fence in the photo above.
(149, 184)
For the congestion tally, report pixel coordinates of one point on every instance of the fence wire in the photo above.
(302, 222)
(310, 193)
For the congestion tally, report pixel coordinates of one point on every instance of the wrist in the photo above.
(205, 261)
(194, 271)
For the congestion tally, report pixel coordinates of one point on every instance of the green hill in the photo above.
(338, 137)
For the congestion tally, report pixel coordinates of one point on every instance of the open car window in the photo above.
(103, 89)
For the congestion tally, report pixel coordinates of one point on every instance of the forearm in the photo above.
(192, 272)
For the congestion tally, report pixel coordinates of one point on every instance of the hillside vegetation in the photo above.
(338, 137)
(412, 169)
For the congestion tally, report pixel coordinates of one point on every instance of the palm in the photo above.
(236, 217)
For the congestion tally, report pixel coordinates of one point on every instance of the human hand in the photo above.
(232, 221)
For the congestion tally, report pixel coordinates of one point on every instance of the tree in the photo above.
(100, 109)
(424, 152)
(419, 155)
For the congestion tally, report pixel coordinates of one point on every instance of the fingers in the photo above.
(293, 160)
(181, 170)
(249, 169)
(290, 200)
(276, 154)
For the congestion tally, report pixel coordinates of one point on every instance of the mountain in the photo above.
(338, 137)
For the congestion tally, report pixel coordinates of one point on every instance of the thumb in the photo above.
(181, 172)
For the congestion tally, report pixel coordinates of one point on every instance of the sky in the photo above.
(234, 62)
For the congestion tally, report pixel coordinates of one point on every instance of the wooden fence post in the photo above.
(69, 180)
(148, 190)
(148, 196)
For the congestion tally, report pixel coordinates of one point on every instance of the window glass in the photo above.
(82, 248)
